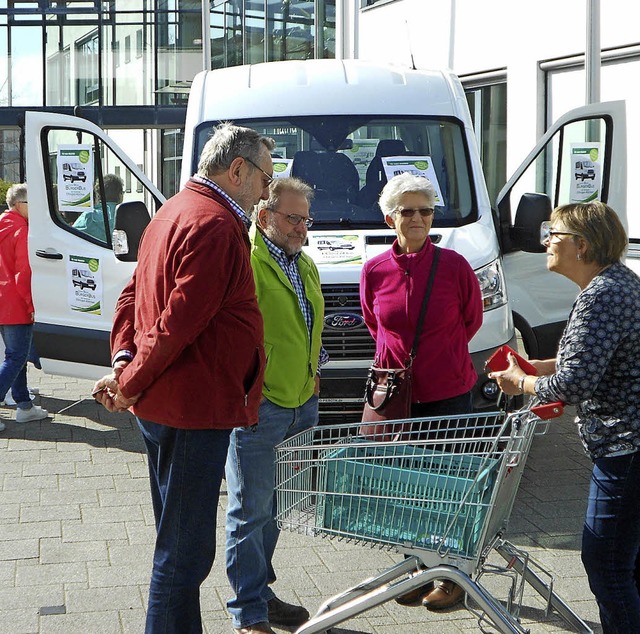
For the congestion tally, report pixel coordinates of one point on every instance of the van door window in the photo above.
(86, 181)
(574, 166)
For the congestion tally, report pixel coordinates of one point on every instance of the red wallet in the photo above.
(499, 361)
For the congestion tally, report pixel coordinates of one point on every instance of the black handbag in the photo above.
(387, 394)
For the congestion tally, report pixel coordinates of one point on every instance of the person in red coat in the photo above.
(16, 305)
(392, 288)
(188, 354)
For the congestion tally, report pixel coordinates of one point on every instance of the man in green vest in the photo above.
(291, 302)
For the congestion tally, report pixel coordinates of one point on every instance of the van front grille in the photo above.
(345, 335)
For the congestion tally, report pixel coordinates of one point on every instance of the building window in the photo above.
(115, 48)
(488, 106)
(139, 43)
(88, 71)
(127, 49)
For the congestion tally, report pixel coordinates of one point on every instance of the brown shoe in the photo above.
(445, 594)
(256, 628)
(414, 597)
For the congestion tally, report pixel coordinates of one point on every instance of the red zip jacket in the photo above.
(190, 317)
(16, 305)
(391, 292)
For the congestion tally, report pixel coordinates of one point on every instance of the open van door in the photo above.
(594, 135)
(79, 263)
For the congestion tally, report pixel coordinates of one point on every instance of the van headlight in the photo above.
(492, 286)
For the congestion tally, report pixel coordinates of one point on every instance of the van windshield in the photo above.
(348, 159)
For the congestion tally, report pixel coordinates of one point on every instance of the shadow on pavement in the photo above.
(83, 422)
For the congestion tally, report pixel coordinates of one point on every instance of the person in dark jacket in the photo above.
(392, 288)
(16, 305)
(187, 345)
(598, 370)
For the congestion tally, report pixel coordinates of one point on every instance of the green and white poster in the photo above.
(282, 167)
(84, 283)
(418, 165)
(586, 172)
(361, 154)
(75, 177)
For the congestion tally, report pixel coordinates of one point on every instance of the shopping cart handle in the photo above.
(547, 411)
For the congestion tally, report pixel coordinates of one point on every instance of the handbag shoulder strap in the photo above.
(425, 301)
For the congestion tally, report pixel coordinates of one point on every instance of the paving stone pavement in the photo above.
(76, 532)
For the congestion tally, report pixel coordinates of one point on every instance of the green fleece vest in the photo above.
(292, 360)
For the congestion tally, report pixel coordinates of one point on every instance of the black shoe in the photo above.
(281, 613)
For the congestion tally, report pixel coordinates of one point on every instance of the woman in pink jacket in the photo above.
(16, 305)
(392, 288)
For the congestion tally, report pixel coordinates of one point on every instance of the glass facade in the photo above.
(109, 55)
(253, 31)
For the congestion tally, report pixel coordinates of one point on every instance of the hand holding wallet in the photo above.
(499, 361)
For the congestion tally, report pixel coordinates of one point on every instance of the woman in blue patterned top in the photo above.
(598, 370)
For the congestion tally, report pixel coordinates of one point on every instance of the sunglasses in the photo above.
(408, 212)
(546, 232)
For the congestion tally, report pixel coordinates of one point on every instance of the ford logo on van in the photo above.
(343, 321)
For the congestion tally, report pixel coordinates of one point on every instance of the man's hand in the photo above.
(107, 391)
(316, 389)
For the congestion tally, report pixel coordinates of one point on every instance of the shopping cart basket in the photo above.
(441, 492)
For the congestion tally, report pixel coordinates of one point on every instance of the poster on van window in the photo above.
(84, 284)
(361, 154)
(418, 165)
(75, 177)
(282, 167)
(335, 248)
(586, 172)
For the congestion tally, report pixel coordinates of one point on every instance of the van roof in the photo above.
(259, 91)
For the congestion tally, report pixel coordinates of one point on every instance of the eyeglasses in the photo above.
(408, 212)
(26, 202)
(269, 178)
(294, 219)
(546, 232)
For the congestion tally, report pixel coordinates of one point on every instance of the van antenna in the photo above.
(413, 64)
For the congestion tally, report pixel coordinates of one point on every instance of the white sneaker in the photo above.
(8, 399)
(27, 415)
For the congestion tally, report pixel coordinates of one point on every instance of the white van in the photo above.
(345, 126)
(73, 172)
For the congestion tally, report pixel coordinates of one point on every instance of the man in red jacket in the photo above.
(187, 345)
(16, 305)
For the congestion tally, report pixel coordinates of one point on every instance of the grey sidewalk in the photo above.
(76, 532)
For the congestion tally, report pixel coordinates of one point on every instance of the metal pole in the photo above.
(592, 54)
(341, 27)
(206, 36)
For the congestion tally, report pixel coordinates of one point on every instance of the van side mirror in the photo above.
(532, 210)
(131, 220)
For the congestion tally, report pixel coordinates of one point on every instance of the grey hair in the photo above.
(16, 194)
(279, 186)
(405, 183)
(227, 143)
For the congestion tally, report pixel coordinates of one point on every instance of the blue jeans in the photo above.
(252, 532)
(611, 542)
(185, 468)
(13, 371)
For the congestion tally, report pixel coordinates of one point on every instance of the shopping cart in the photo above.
(438, 490)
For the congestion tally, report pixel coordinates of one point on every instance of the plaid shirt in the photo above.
(234, 205)
(290, 268)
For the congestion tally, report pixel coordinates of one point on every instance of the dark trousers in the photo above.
(185, 469)
(611, 542)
